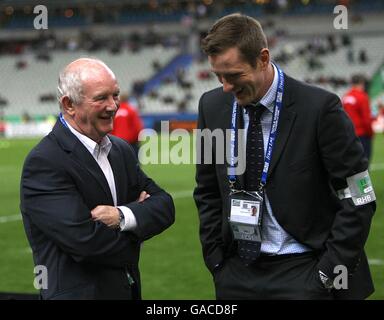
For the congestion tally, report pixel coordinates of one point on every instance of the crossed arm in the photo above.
(109, 215)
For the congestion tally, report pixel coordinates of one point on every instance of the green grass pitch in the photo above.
(171, 264)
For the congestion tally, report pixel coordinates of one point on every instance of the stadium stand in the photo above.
(154, 63)
(23, 88)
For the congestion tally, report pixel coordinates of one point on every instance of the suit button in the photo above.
(356, 265)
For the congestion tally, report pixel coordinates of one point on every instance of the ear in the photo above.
(67, 105)
(264, 58)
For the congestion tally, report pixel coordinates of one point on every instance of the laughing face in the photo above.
(93, 117)
(245, 82)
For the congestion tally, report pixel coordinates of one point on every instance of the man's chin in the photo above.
(105, 130)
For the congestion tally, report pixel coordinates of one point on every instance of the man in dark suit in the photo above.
(309, 176)
(86, 204)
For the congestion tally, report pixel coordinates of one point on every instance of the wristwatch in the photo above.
(326, 281)
(121, 218)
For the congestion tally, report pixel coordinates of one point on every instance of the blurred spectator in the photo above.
(156, 65)
(363, 58)
(356, 104)
(3, 101)
(127, 124)
(331, 43)
(47, 97)
(138, 88)
(21, 64)
(43, 56)
(350, 55)
(314, 63)
(204, 75)
(346, 40)
(168, 99)
(2, 128)
(182, 106)
(25, 117)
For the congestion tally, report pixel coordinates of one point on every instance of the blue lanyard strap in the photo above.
(231, 169)
(272, 132)
(62, 120)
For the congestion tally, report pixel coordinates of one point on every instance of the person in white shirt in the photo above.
(81, 187)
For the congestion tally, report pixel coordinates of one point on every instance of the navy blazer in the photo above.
(61, 183)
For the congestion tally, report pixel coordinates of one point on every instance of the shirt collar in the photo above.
(269, 98)
(93, 147)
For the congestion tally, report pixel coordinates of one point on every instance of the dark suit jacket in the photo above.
(315, 151)
(61, 183)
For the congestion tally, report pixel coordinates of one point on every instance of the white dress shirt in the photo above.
(100, 154)
(275, 240)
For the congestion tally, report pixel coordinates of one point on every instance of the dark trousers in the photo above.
(293, 276)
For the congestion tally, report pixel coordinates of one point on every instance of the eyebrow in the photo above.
(226, 73)
(104, 93)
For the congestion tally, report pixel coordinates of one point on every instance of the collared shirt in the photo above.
(275, 240)
(100, 153)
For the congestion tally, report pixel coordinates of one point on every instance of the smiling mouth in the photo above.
(107, 117)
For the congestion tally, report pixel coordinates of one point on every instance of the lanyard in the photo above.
(63, 121)
(272, 133)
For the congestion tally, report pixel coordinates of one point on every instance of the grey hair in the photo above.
(70, 82)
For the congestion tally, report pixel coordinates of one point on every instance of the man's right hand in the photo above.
(143, 196)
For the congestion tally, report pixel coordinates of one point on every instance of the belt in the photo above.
(279, 257)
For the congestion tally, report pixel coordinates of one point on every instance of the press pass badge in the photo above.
(361, 189)
(245, 217)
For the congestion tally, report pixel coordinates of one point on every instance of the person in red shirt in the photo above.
(127, 123)
(356, 104)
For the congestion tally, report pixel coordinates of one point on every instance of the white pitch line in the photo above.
(376, 167)
(376, 262)
(15, 217)
(181, 194)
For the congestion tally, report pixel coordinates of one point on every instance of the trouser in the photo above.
(289, 276)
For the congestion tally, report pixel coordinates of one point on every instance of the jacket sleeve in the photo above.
(156, 213)
(53, 204)
(343, 157)
(208, 200)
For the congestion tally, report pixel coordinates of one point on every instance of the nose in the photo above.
(112, 104)
(227, 87)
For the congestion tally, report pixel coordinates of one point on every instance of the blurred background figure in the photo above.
(127, 124)
(357, 105)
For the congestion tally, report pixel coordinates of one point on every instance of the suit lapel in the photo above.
(117, 165)
(81, 155)
(286, 121)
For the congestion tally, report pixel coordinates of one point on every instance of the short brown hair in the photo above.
(358, 79)
(236, 30)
